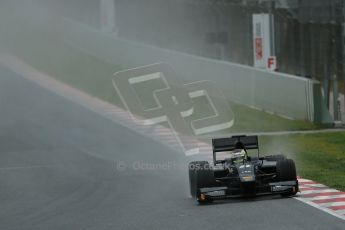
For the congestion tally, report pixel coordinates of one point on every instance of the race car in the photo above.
(240, 174)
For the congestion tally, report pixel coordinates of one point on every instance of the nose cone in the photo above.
(246, 173)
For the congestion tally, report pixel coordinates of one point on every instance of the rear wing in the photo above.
(229, 144)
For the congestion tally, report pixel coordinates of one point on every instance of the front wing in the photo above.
(215, 193)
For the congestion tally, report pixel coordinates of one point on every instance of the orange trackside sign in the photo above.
(258, 49)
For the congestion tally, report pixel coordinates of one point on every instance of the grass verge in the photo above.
(319, 157)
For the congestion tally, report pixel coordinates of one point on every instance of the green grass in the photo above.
(249, 120)
(319, 157)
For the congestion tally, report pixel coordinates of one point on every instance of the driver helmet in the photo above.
(238, 155)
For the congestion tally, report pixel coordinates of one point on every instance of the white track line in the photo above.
(313, 186)
(316, 191)
(331, 204)
(323, 198)
(340, 212)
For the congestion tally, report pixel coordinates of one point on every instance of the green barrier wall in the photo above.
(282, 94)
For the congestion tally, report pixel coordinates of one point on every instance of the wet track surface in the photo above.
(59, 170)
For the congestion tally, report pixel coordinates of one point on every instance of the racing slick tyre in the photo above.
(286, 171)
(278, 157)
(200, 176)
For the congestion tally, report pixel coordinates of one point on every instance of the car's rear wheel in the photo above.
(200, 176)
(286, 171)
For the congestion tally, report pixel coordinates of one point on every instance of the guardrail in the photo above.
(282, 94)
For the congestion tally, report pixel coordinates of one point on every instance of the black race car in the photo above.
(240, 174)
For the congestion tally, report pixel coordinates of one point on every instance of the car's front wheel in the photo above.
(286, 171)
(200, 176)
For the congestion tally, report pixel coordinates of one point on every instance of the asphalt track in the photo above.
(65, 167)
